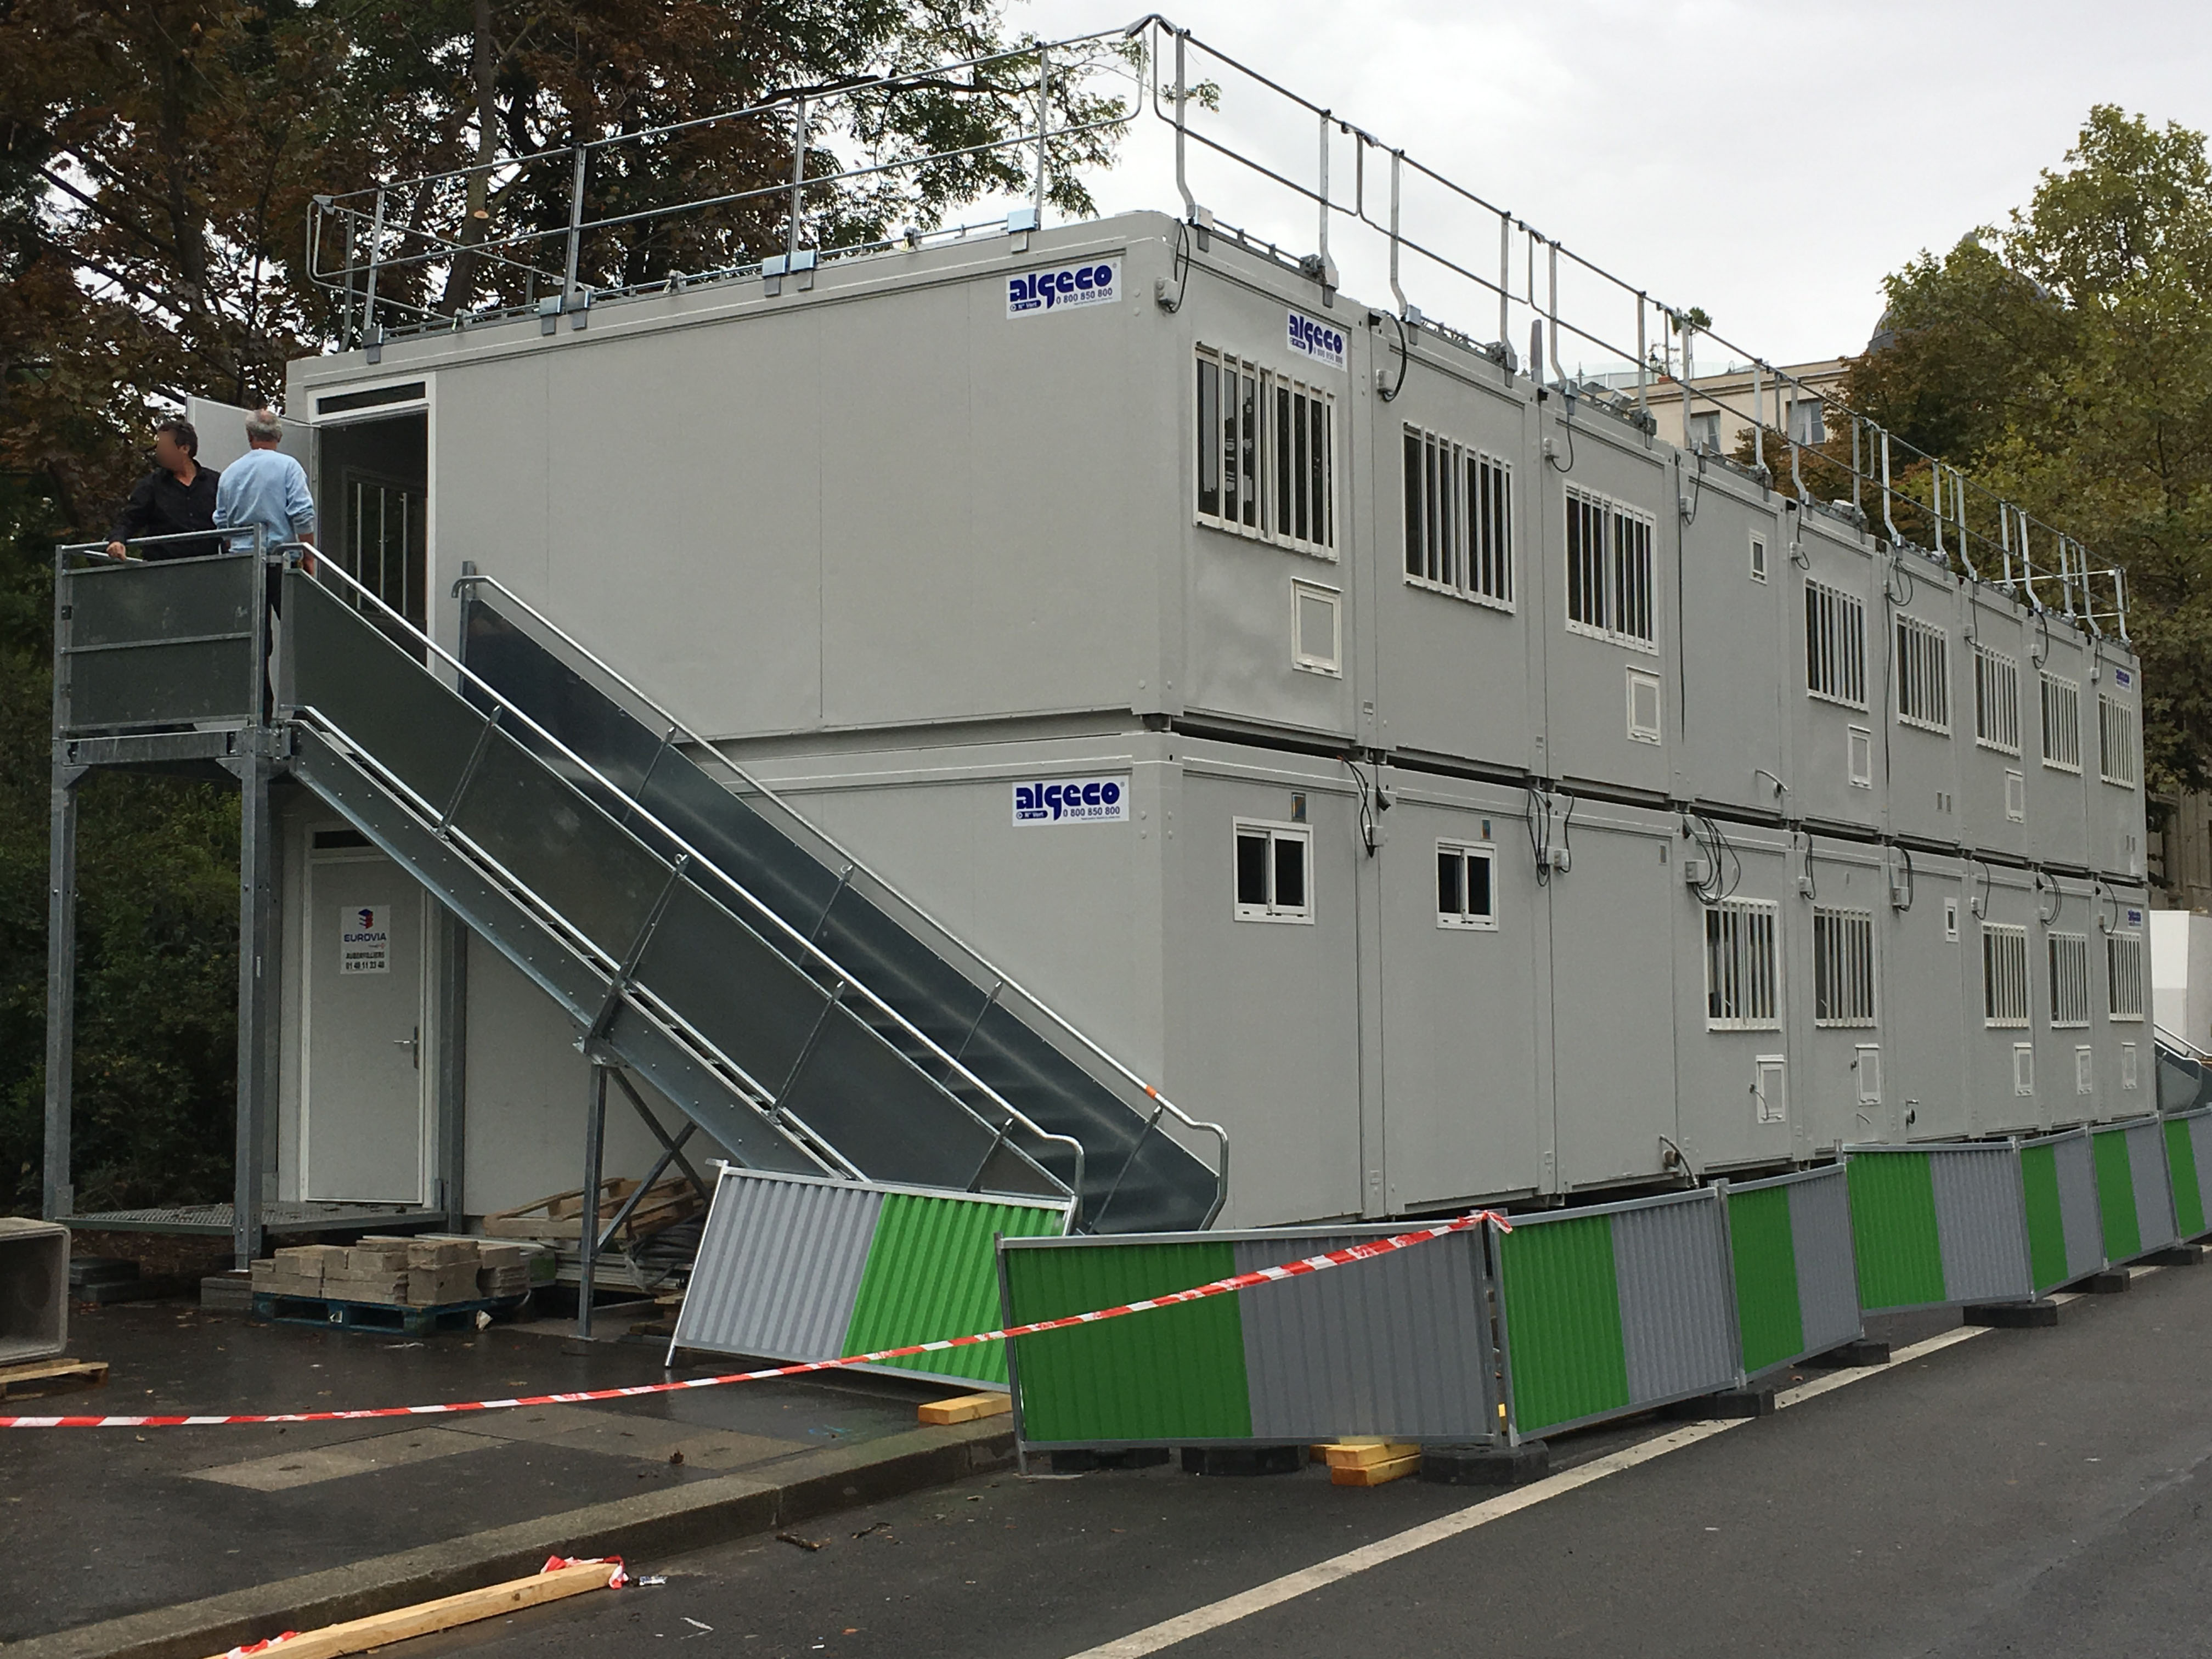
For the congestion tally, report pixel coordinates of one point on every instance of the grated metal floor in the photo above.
(290, 1216)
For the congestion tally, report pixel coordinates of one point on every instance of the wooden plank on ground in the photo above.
(1375, 1474)
(1365, 1453)
(380, 1630)
(964, 1408)
(43, 1376)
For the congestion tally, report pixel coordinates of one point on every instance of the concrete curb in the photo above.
(683, 1518)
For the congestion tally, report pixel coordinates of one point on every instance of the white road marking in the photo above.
(1276, 1592)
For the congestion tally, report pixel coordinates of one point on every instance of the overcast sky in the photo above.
(1769, 163)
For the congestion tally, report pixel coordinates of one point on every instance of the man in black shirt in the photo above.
(176, 496)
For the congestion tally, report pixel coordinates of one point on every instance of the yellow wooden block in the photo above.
(1375, 1474)
(1365, 1453)
(964, 1408)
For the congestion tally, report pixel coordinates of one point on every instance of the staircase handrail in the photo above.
(2179, 1043)
(1007, 981)
(328, 567)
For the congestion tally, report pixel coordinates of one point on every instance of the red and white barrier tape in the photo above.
(1312, 1264)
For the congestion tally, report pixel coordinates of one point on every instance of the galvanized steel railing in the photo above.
(995, 984)
(358, 241)
(618, 962)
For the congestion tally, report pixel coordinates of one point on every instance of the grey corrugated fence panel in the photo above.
(1827, 1271)
(2078, 1213)
(778, 1267)
(1399, 1346)
(1677, 1280)
(1981, 1222)
(2153, 1189)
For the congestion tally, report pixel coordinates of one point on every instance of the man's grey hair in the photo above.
(263, 427)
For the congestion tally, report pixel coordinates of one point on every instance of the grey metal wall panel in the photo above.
(779, 1267)
(2154, 1195)
(1399, 1346)
(1980, 1222)
(2077, 1204)
(1827, 1274)
(1677, 1296)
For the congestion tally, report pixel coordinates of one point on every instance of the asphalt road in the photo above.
(2023, 1492)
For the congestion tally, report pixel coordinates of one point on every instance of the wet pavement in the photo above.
(108, 1521)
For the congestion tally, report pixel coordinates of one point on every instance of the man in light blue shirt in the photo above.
(265, 488)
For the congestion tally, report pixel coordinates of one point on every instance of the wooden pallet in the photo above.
(383, 1317)
(44, 1377)
(560, 1216)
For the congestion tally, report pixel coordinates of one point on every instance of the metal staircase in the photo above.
(936, 997)
(700, 933)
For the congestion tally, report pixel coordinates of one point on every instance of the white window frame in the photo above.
(2061, 701)
(2084, 1070)
(1302, 657)
(1845, 978)
(2023, 1068)
(1703, 432)
(1625, 567)
(1759, 556)
(1270, 450)
(2126, 947)
(1468, 852)
(1808, 421)
(2067, 956)
(2116, 737)
(1866, 1068)
(1951, 921)
(1743, 965)
(1858, 757)
(1997, 701)
(1456, 506)
(2016, 795)
(2130, 1073)
(1923, 666)
(1638, 680)
(2005, 1002)
(1835, 645)
(1275, 834)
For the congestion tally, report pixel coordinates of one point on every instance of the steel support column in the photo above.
(452, 1018)
(595, 1137)
(255, 977)
(59, 1197)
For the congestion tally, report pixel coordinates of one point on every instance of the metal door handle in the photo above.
(413, 1045)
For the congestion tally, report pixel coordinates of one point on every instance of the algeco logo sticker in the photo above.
(2122, 678)
(1061, 289)
(1316, 340)
(1073, 801)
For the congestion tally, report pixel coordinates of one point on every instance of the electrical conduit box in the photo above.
(33, 1290)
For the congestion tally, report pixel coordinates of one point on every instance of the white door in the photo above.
(362, 1104)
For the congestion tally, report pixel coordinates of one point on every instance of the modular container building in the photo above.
(1385, 747)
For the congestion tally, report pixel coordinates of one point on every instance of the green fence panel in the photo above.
(2116, 1196)
(1566, 1358)
(1900, 1251)
(1769, 1317)
(931, 1272)
(2046, 1224)
(2181, 1166)
(1168, 1376)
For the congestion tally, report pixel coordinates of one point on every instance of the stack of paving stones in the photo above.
(400, 1272)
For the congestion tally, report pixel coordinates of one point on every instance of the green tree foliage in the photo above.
(158, 158)
(2066, 359)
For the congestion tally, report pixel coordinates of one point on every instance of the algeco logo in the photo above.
(1316, 340)
(1073, 801)
(1088, 285)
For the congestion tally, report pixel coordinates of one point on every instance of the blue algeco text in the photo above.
(1041, 290)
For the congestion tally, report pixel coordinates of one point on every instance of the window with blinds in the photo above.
(1923, 682)
(1459, 520)
(2061, 724)
(1266, 455)
(2070, 979)
(1842, 967)
(1610, 590)
(2004, 975)
(1835, 645)
(1743, 989)
(1997, 701)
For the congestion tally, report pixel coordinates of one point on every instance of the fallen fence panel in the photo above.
(1796, 1280)
(1617, 1309)
(800, 1267)
(1398, 1346)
